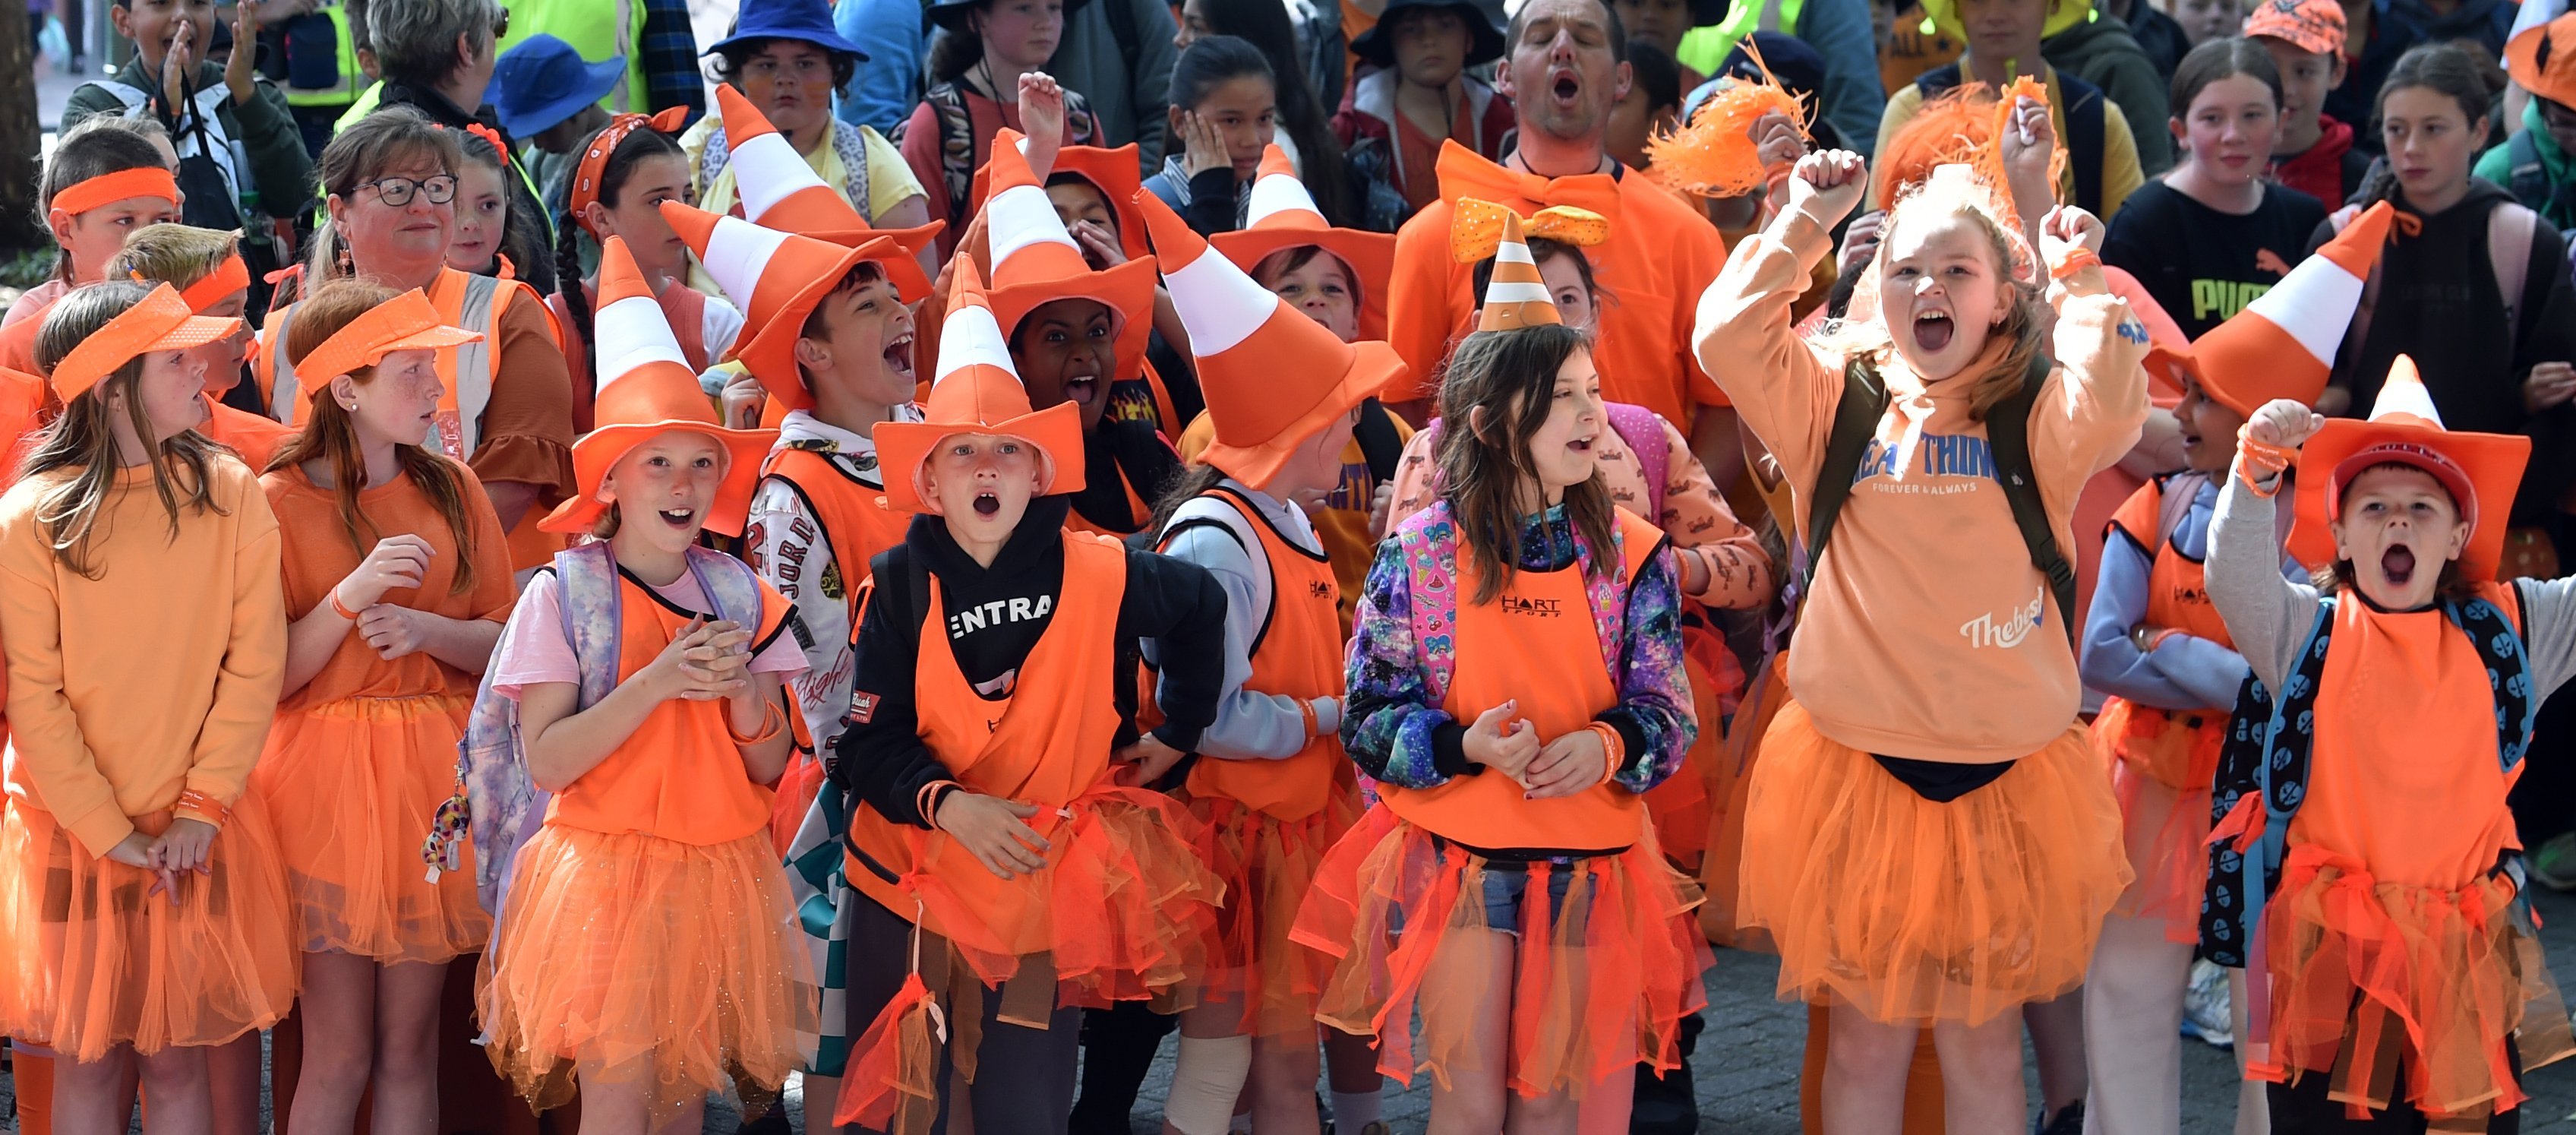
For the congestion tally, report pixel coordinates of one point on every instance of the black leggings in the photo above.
(1025, 1080)
(2303, 1109)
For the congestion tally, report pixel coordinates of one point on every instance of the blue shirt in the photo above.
(885, 88)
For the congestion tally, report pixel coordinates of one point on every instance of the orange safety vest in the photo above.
(2177, 592)
(855, 520)
(1298, 653)
(679, 776)
(1535, 643)
(1046, 743)
(2176, 748)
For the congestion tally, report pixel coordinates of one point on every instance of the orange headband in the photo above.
(142, 181)
(160, 321)
(404, 323)
(594, 161)
(228, 277)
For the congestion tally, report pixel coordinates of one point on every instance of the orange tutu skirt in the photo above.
(1268, 865)
(1730, 787)
(1911, 910)
(644, 958)
(1605, 958)
(2162, 767)
(352, 786)
(93, 960)
(2364, 973)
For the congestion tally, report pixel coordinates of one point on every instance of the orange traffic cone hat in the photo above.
(1516, 296)
(1272, 376)
(1111, 171)
(777, 278)
(775, 188)
(646, 389)
(977, 391)
(1035, 262)
(2481, 471)
(1282, 216)
(2283, 344)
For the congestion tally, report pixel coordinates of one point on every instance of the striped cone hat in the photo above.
(776, 278)
(1516, 297)
(2481, 471)
(776, 188)
(977, 391)
(2283, 344)
(1035, 262)
(1282, 215)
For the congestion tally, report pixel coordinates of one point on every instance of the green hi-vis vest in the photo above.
(620, 34)
(345, 57)
(1704, 48)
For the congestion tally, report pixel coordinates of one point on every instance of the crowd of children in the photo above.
(1076, 594)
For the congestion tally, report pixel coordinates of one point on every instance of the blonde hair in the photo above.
(83, 438)
(177, 255)
(1865, 337)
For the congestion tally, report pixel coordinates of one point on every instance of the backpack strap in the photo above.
(593, 615)
(1428, 541)
(731, 587)
(2174, 495)
(1863, 403)
(2509, 231)
(2008, 437)
(2526, 178)
(1643, 431)
(1379, 444)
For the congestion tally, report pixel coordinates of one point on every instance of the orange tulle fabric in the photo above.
(1595, 986)
(1915, 911)
(2368, 975)
(1268, 864)
(351, 787)
(2162, 766)
(94, 960)
(1730, 789)
(645, 959)
(797, 789)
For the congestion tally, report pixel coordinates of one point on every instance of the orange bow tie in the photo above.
(1476, 227)
(1463, 173)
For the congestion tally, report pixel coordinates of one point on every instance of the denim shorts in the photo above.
(1507, 885)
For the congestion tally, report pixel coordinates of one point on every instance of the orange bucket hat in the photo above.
(777, 278)
(2481, 471)
(160, 321)
(2283, 344)
(977, 391)
(1272, 376)
(1035, 262)
(407, 322)
(1282, 215)
(1112, 172)
(2543, 60)
(646, 389)
(775, 188)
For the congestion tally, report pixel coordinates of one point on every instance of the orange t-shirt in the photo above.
(1927, 635)
(319, 554)
(256, 437)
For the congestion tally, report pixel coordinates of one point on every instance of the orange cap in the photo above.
(2312, 26)
(2481, 471)
(1272, 376)
(977, 391)
(1282, 215)
(160, 321)
(1111, 171)
(407, 322)
(1515, 297)
(776, 188)
(646, 389)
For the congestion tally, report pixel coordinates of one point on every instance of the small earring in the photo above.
(349, 407)
(347, 267)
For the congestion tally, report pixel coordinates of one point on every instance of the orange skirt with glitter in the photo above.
(351, 787)
(1268, 865)
(91, 959)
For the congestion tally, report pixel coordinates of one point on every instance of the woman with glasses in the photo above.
(787, 60)
(389, 182)
(437, 57)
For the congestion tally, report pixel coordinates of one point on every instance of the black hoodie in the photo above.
(1178, 604)
(2439, 304)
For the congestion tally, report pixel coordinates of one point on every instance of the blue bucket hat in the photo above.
(542, 81)
(808, 21)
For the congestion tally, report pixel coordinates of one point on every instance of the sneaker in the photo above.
(2206, 1015)
(2068, 1121)
(2553, 863)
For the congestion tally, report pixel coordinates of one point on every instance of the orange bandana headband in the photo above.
(1476, 228)
(407, 322)
(228, 277)
(594, 160)
(160, 321)
(143, 181)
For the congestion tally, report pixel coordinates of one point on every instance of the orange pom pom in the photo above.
(1715, 154)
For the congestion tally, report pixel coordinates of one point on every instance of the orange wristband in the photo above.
(771, 721)
(1614, 750)
(1308, 708)
(195, 805)
(2077, 259)
(339, 608)
(2257, 460)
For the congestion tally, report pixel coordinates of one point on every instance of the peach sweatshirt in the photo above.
(1927, 635)
(157, 677)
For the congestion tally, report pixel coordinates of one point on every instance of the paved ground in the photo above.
(1747, 1070)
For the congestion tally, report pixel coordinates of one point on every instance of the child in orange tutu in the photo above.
(207, 268)
(398, 575)
(2367, 869)
(1928, 838)
(143, 917)
(1516, 685)
(1010, 870)
(644, 939)
(1271, 780)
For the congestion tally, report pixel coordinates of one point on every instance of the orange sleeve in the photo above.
(1420, 294)
(527, 426)
(2139, 516)
(254, 667)
(18, 345)
(45, 733)
(1696, 253)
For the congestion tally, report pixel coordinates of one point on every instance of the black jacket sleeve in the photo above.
(1182, 608)
(1212, 194)
(2547, 333)
(881, 758)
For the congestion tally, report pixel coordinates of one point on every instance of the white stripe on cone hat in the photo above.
(775, 187)
(1282, 215)
(2481, 471)
(2283, 344)
(1035, 262)
(977, 391)
(776, 278)
(1272, 376)
(1516, 296)
(646, 389)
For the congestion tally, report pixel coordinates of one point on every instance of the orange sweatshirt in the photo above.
(159, 676)
(1927, 634)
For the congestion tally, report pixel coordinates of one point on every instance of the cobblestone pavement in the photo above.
(1747, 1068)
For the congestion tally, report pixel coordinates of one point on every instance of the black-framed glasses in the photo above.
(501, 25)
(397, 191)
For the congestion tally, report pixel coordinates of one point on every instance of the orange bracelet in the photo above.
(1308, 708)
(339, 608)
(2257, 460)
(770, 723)
(197, 805)
(2077, 259)
(1614, 750)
